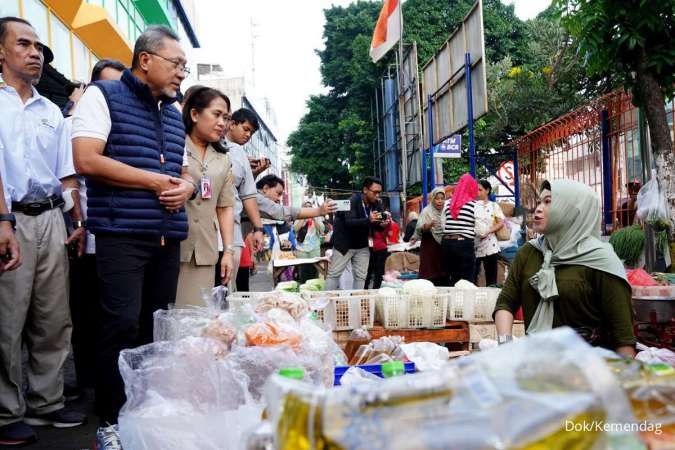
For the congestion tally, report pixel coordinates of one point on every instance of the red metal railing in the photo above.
(571, 147)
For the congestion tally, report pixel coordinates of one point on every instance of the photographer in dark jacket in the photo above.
(351, 233)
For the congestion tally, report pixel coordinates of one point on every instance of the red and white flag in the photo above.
(387, 30)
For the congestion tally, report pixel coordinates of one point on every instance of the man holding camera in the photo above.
(353, 229)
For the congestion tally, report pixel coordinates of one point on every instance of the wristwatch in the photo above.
(256, 229)
(229, 248)
(8, 218)
(195, 191)
(504, 338)
(79, 224)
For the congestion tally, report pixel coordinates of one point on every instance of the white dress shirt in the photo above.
(243, 184)
(3, 176)
(38, 152)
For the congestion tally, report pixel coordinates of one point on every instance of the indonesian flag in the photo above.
(387, 30)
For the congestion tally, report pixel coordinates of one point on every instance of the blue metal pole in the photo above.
(607, 187)
(430, 133)
(432, 169)
(469, 111)
(516, 178)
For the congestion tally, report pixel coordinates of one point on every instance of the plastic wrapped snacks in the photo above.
(168, 407)
(260, 363)
(524, 395)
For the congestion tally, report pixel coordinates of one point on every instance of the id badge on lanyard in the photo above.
(205, 188)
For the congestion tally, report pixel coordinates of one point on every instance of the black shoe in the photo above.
(62, 418)
(71, 392)
(17, 433)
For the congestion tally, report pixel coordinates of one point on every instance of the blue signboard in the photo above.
(451, 147)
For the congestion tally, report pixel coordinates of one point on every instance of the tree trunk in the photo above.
(653, 101)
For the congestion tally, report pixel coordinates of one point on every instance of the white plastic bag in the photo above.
(653, 355)
(184, 395)
(356, 375)
(426, 355)
(652, 205)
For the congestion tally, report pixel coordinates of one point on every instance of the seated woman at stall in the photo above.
(429, 230)
(568, 276)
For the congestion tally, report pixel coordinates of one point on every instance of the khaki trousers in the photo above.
(34, 310)
(236, 259)
(191, 280)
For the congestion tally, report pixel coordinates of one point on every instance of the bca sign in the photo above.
(505, 172)
(451, 147)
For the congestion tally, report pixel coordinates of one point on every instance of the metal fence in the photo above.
(597, 144)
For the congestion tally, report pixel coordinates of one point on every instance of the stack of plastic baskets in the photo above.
(345, 310)
(471, 304)
(413, 311)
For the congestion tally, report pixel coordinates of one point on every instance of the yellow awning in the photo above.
(93, 26)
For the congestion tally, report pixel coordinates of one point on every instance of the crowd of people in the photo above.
(140, 196)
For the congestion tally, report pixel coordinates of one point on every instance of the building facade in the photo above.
(81, 32)
(264, 143)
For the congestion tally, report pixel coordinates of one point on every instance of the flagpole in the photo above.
(401, 115)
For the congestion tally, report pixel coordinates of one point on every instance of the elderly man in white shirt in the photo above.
(34, 298)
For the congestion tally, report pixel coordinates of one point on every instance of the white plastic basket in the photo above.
(471, 304)
(346, 310)
(413, 311)
(237, 300)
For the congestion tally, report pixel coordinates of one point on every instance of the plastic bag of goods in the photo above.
(651, 391)
(184, 395)
(279, 341)
(536, 393)
(178, 323)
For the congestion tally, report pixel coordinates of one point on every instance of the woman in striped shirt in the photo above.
(459, 222)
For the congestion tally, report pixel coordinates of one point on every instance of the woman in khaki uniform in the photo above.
(205, 114)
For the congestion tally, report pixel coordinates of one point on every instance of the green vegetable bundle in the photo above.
(628, 243)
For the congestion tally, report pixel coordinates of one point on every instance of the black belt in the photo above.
(38, 207)
(454, 237)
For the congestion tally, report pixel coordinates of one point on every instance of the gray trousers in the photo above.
(34, 310)
(338, 262)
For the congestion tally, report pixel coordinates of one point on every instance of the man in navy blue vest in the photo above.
(129, 140)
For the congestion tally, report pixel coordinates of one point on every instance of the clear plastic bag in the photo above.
(169, 408)
(519, 395)
(211, 320)
(652, 205)
(259, 363)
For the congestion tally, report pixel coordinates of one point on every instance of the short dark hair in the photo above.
(269, 181)
(246, 115)
(486, 185)
(105, 64)
(9, 19)
(369, 181)
(151, 40)
(199, 99)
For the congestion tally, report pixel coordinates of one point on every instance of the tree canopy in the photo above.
(533, 76)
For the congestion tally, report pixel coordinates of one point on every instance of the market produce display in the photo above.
(628, 243)
(519, 396)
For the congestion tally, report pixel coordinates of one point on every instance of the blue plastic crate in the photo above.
(372, 368)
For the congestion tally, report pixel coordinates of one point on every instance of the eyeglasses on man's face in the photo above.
(177, 64)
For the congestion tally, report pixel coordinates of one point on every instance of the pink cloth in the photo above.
(465, 191)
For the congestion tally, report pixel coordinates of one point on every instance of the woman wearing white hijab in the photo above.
(430, 230)
(568, 276)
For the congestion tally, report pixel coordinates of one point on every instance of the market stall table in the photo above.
(279, 265)
(452, 333)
